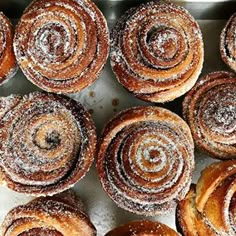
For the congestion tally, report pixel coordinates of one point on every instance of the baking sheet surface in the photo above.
(105, 98)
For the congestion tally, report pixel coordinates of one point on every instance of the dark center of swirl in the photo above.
(53, 139)
(221, 116)
(52, 41)
(47, 139)
(163, 42)
(154, 154)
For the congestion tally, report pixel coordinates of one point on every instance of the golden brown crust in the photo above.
(8, 66)
(142, 228)
(209, 209)
(157, 51)
(61, 46)
(145, 160)
(210, 110)
(47, 142)
(227, 43)
(58, 216)
(188, 219)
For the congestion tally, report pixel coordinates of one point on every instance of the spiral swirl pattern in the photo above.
(209, 208)
(47, 142)
(142, 228)
(157, 51)
(59, 215)
(227, 43)
(8, 66)
(210, 110)
(145, 159)
(61, 46)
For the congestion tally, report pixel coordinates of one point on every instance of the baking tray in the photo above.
(107, 97)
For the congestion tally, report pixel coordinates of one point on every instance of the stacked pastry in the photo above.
(227, 43)
(210, 110)
(145, 156)
(209, 208)
(47, 143)
(8, 66)
(60, 215)
(145, 160)
(61, 46)
(157, 51)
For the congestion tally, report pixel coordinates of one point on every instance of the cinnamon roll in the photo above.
(60, 215)
(210, 110)
(47, 143)
(8, 66)
(145, 160)
(157, 51)
(209, 208)
(228, 43)
(61, 46)
(142, 228)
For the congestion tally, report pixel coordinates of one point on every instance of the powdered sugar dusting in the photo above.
(48, 142)
(150, 44)
(210, 109)
(64, 46)
(228, 43)
(53, 216)
(141, 166)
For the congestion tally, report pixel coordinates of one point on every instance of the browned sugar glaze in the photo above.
(145, 160)
(210, 110)
(47, 142)
(59, 215)
(142, 228)
(61, 46)
(157, 51)
(210, 207)
(8, 66)
(228, 43)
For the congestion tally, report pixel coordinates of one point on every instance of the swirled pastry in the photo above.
(210, 110)
(210, 208)
(145, 160)
(60, 215)
(228, 43)
(61, 46)
(47, 143)
(142, 228)
(157, 51)
(8, 66)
